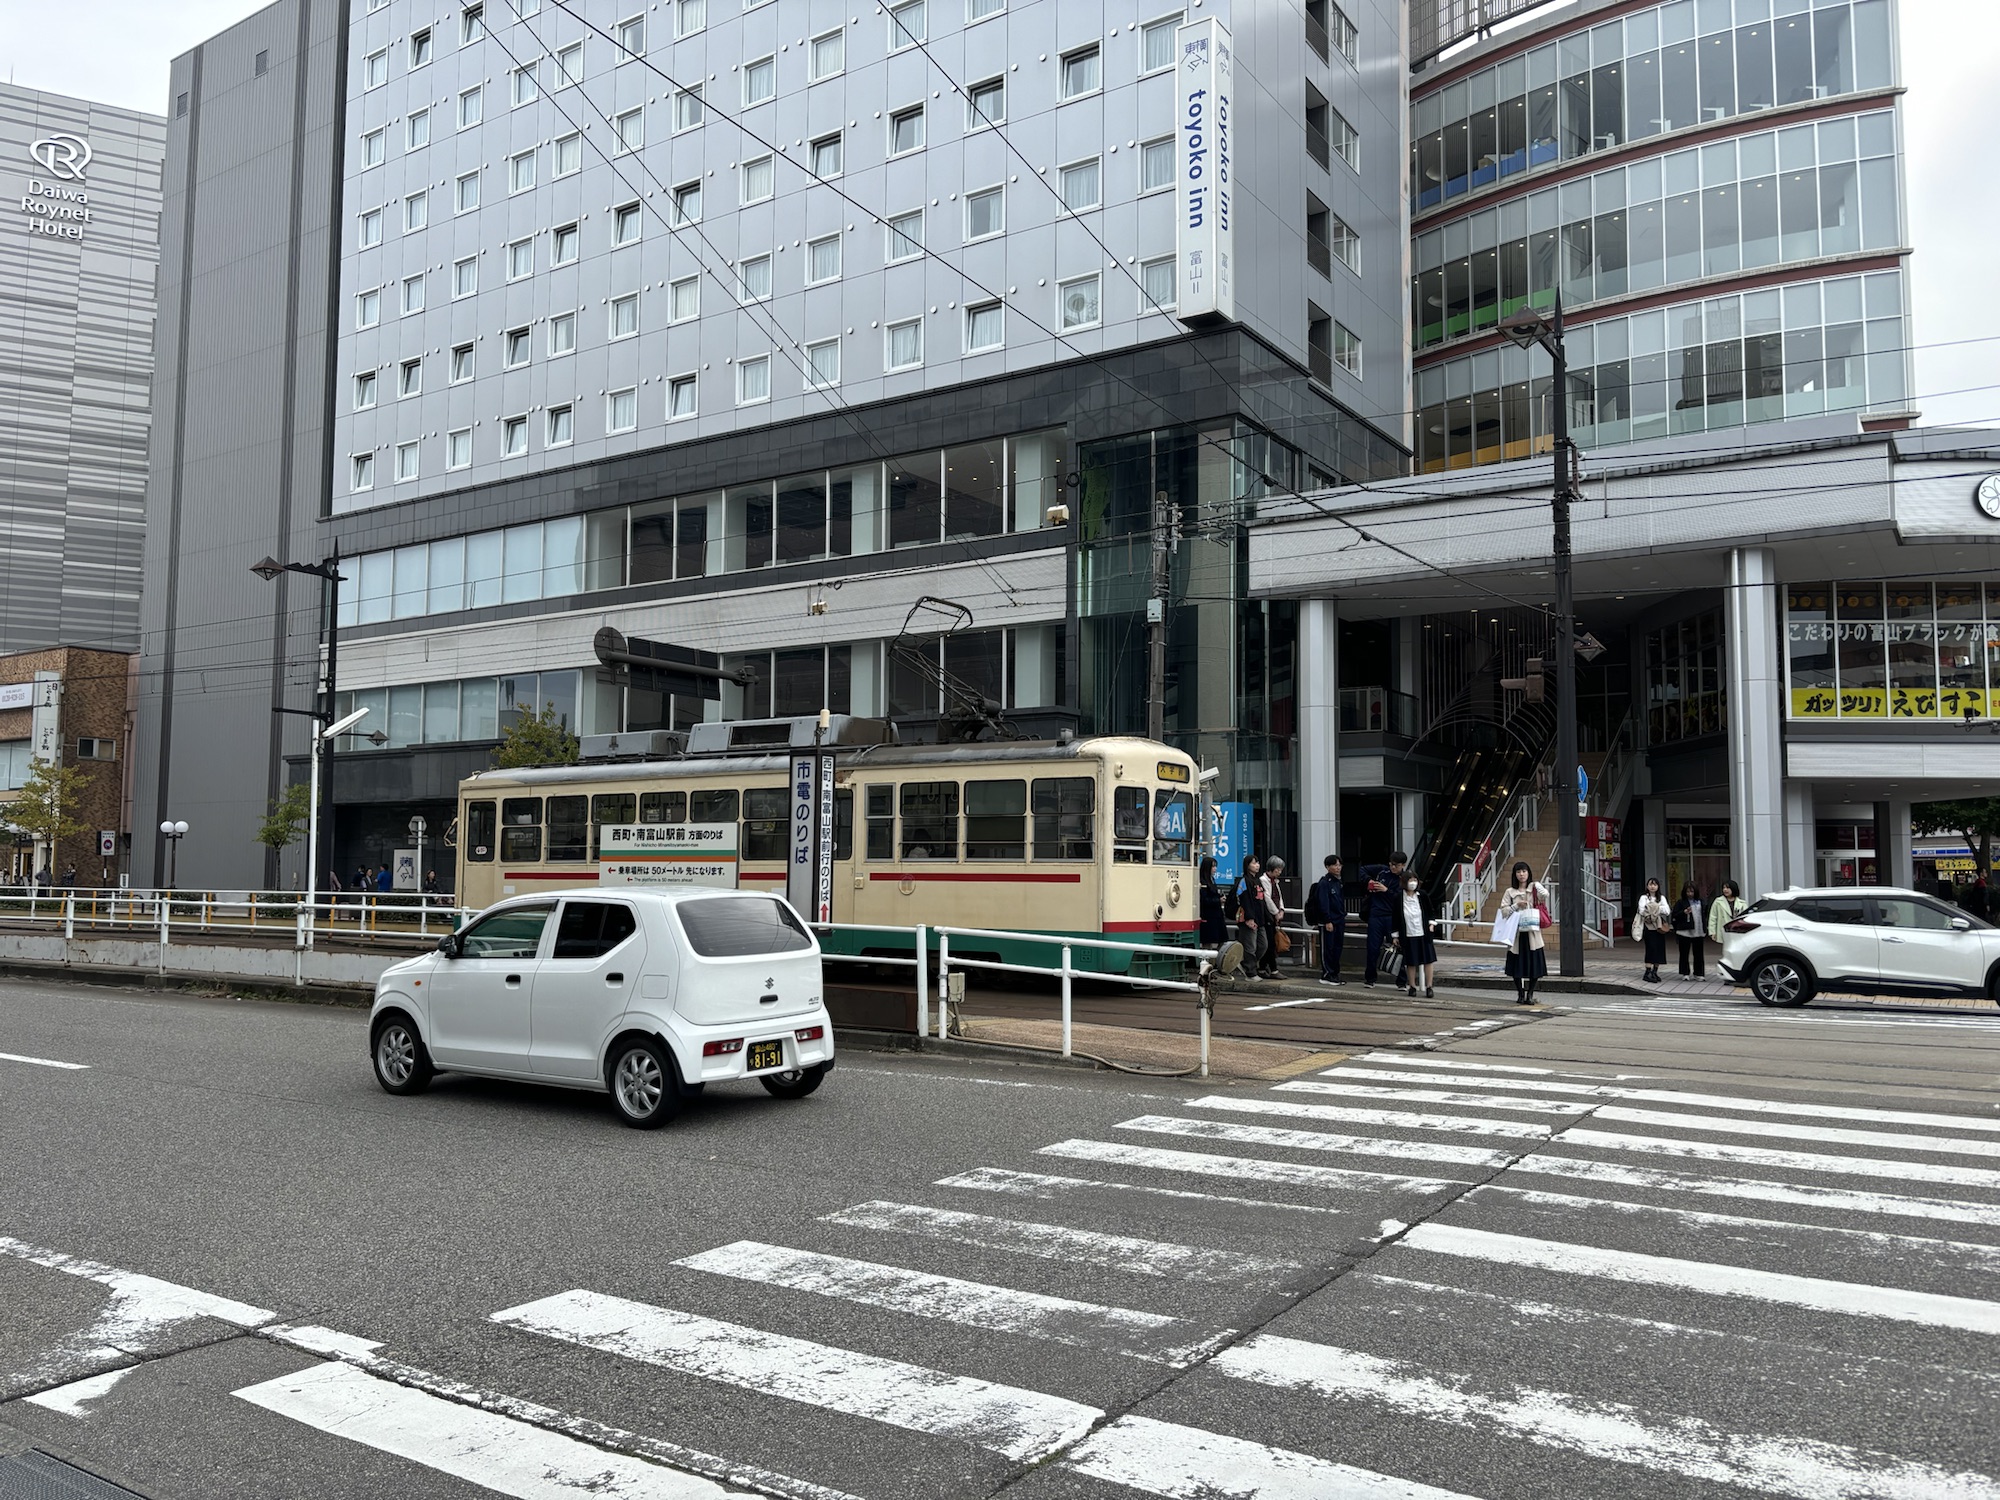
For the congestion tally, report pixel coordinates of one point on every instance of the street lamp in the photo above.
(328, 572)
(174, 832)
(1528, 328)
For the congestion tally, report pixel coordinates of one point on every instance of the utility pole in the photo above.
(1156, 618)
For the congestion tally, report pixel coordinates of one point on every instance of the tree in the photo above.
(536, 739)
(42, 809)
(1976, 820)
(288, 815)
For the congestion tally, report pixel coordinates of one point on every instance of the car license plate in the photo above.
(764, 1055)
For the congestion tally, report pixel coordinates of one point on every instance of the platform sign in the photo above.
(1230, 828)
(699, 854)
(1204, 232)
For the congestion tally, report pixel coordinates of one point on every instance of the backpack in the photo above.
(1315, 908)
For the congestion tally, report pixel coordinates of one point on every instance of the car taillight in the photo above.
(720, 1049)
(1740, 925)
(810, 1033)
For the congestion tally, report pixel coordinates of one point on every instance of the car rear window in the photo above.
(740, 926)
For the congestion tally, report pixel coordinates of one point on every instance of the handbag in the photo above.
(1284, 941)
(1391, 962)
(1542, 917)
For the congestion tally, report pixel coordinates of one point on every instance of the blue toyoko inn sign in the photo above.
(1204, 237)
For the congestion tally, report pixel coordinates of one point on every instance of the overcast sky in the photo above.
(118, 51)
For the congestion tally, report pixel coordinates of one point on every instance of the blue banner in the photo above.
(1229, 833)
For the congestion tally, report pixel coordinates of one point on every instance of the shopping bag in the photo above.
(1505, 927)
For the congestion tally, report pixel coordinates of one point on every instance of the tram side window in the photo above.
(479, 832)
(663, 807)
(930, 820)
(521, 830)
(843, 824)
(569, 828)
(1173, 828)
(766, 822)
(881, 822)
(616, 808)
(1065, 810)
(712, 807)
(996, 820)
(1129, 832)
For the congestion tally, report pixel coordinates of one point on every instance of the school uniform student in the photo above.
(1527, 959)
(1651, 923)
(1412, 930)
(1326, 909)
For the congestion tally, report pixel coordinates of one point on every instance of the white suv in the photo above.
(646, 995)
(1789, 946)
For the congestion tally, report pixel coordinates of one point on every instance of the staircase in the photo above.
(1536, 845)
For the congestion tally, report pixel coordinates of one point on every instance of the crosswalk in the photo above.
(1414, 1276)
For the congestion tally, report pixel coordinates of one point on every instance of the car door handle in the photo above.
(513, 980)
(614, 978)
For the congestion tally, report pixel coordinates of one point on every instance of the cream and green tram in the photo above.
(1089, 838)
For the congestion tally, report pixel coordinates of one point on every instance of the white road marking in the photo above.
(71, 1399)
(1313, 1140)
(1606, 1430)
(974, 1304)
(1838, 1200)
(1246, 1168)
(1933, 1309)
(481, 1447)
(1745, 1012)
(1047, 1185)
(1022, 1424)
(1432, 1096)
(1473, 1080)
(1186, 1463)
(1117, 1252)
(1290, 1004)
(1796, 1161)
(1438, 1062)
(1837, 1134)
(1811, 1111)
(45, 1062)
(1403, 1119)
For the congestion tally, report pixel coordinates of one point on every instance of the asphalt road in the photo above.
(1643, 1248)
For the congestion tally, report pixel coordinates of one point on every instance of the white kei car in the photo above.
(1791, 945)
(647, 995)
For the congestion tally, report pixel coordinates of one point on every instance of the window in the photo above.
(1082, 185)
(564, 243)
(741, 927)
(1079, 301)
(1156, 44)
(471, 107)
(758, 179)
(371, 228)
(753, 380)
(979, 10)
(621, 410)
(569, 65)
(471, 25)
(906, 235)
(374, 146)
(520, 840)
(1347, 349)
(905, 345)
(1080, 72)
(1341, 30)
(690, 16)
(569, 155)
(517, 931)
(685, 299)
(823, 363)
(562, 333)
(906, 24)
(983, 327)
(562, 426)
(410, 378)
(367, 309)
(413, 294)
(987, 104)
(624, 316)
(458, 449)
(688, 108)
(520, 259)
(996, 820)
(1346, 143)
(680, 397)
(1156, 165)
(985, 213)
(1129, 830)
(591, 929)
(826, 157)
(416, 211)
(364, 390)
(829, 55)
(930, 819)
(465, 193)
(417, 130)
(906, 130)
(823, 260)
(524, 86)
(1346, 244)
(760, 81)
(687, 202)
(521, 172)
(361, 472)
(465, 276)
(513, 437)
(461, 363)
(375, 69)
(753, 278)
(406, 462)
(631, 128)
(1173, 827)
(626, 224)
(632, 36)
(517, 346)
(1156, 277)
(420, 48)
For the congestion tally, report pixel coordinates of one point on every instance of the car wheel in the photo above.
(795, 1083)
(402, 1065)
(1780, 981)
(644, 1085)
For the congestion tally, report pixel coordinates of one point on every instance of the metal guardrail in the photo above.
(158, 913)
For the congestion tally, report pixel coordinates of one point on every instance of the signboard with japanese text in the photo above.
(1229, 837)
(1204, 233)
(702, 854)
(800, 881)
(823, 863)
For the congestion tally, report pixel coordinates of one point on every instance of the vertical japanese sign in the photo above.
(1204, 239)
(45, 723)
(799, 871)
(823, 865)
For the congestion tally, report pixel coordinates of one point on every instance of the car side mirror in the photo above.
(451, 945)
(1961, 924)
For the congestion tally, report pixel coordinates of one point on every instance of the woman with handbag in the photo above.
(1528, 902)
(1650, 924)
(1725, 909)
(1412, 932)
(1688, 929)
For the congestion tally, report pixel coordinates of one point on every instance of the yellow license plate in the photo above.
(764, 1055)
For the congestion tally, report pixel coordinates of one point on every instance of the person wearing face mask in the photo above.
(1651, 923)
(1412, 931)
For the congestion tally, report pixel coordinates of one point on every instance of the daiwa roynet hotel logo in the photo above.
(53, 207)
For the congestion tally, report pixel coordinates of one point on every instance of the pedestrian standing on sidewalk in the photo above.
(1326, 911)
(1651, 923)
(1725, 909)
(1384, 884)
(1274, 912)
(1249, 895)
(333, 895)
(1214, 927)
(1688, 932)
(1527, 957)
(1414, 917)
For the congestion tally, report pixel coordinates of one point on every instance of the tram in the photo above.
(1059, 838)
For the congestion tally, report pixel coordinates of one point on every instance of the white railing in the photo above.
(1600, 913)
(277, 915)
(1520, 813)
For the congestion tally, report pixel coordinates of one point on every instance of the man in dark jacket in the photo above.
(1326, 909)
(1384, 884)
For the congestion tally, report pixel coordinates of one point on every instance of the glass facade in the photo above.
(1764, 199)
(1896, 650)
(1686, 690)
(1670, 67)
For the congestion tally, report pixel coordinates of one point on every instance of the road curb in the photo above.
(238, 986)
